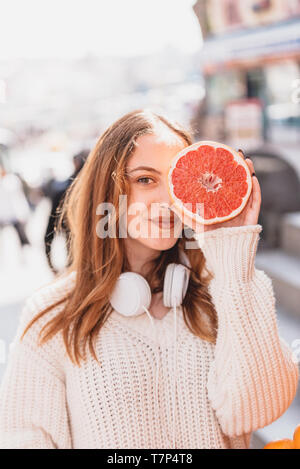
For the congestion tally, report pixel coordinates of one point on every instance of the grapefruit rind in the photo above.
(177, 203)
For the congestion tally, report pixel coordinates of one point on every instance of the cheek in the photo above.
(140, 195)
(139, 204)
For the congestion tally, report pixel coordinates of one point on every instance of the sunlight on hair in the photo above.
(165, 135)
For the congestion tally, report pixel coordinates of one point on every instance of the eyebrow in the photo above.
(147, 168)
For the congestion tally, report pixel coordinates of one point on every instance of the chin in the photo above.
(157, 239)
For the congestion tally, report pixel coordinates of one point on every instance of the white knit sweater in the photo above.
(224, 391)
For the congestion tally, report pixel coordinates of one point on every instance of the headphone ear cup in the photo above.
(167, 297)
(175, 284)
(131, 294)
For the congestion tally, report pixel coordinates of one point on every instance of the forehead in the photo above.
(156, 150)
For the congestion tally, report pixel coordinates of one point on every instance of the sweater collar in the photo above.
(141, 326)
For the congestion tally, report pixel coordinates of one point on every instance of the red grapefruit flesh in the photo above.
(210, 182)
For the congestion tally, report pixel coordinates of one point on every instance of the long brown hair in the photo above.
(98, 261)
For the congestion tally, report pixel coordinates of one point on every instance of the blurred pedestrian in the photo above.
(29, 192)
(56, 191)
(14, 207)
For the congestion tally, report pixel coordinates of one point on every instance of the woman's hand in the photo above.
(249, 215)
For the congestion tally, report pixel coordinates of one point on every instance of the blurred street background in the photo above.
(229, 70)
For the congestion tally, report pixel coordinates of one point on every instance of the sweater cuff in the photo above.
(230, 252)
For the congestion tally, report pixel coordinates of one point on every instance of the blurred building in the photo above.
(221, 16)
(251, 63)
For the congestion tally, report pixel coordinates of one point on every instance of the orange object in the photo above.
(286, 443)
(281, 444)
(297, 438)
(209, 182)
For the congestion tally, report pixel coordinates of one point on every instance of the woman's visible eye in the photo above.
(144, 180)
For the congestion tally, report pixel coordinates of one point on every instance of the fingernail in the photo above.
(242, 153)
(253, 174)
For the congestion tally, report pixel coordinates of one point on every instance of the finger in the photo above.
(250, 165)
(256, 201)
(250, 200)
(242, 154)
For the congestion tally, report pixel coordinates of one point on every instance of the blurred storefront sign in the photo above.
(244, 123)
(223, 16)
(248, 48)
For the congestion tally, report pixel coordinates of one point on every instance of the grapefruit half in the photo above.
(210, 182)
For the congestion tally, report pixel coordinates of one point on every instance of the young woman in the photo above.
(82, 375)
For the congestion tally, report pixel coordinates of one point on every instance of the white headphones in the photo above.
(132, 294)
(132, 297)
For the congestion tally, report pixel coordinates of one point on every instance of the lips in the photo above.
(164, 221)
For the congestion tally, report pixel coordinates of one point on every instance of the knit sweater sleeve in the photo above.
(253, 377)
(33, 410)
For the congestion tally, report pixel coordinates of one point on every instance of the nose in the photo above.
(164, 197)
(161, 204)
